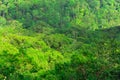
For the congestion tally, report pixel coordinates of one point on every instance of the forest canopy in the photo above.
(59, 39)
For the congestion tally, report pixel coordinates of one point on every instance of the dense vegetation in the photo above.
(59, 40)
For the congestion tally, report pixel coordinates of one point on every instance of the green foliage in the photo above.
(59, 40)
(63, 14)
(2, 21)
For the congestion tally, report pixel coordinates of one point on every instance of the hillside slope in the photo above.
(59, 40)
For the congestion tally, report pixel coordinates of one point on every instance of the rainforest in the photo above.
(59, 39)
